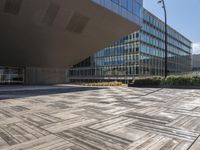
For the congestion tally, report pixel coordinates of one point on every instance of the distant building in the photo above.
(196, 62)
(139, 54)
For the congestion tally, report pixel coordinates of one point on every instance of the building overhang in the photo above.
(56, 33)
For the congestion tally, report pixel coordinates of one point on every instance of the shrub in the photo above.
(169, 81)
(150, 81)
(196, 80)
(178, 81)
(103, 84)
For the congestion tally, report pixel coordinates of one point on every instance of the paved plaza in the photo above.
(86, 118)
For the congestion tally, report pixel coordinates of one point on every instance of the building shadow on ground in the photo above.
(23, 93)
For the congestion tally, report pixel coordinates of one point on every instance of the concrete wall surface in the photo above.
(45, 76)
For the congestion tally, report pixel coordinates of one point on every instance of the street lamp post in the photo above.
(166, 57)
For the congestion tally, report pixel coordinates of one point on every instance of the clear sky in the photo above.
(183, 15)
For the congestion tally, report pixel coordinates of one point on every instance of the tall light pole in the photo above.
(166, 57)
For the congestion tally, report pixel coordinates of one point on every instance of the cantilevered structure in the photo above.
(61, 33)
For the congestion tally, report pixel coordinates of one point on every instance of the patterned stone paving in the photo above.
(115, 118)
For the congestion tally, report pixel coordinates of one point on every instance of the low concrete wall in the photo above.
(45, 76)
(164, 86)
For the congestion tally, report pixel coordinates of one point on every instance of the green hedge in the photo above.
(151, 81)
(103, 84)
(196, 80)
(178, 81)
(169, 81)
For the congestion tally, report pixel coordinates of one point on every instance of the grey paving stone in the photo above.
(86, 118)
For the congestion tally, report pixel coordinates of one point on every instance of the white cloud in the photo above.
(196, 48)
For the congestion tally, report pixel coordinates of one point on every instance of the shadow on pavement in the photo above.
(22, 93)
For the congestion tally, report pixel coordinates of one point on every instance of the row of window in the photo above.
(160, 35)
(116, 60)
(148, 17)
(156, 68)
(129, 38)
(118, 50)
(130, 9)
(131, 5)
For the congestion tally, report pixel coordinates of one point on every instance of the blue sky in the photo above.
(183, 15)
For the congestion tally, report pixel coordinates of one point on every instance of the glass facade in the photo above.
(196, 62)
(139, 54)
(130, 9)
(10, 75)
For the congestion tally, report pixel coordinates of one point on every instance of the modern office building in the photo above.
(196, 62)
(139, 54)
(46, 36)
